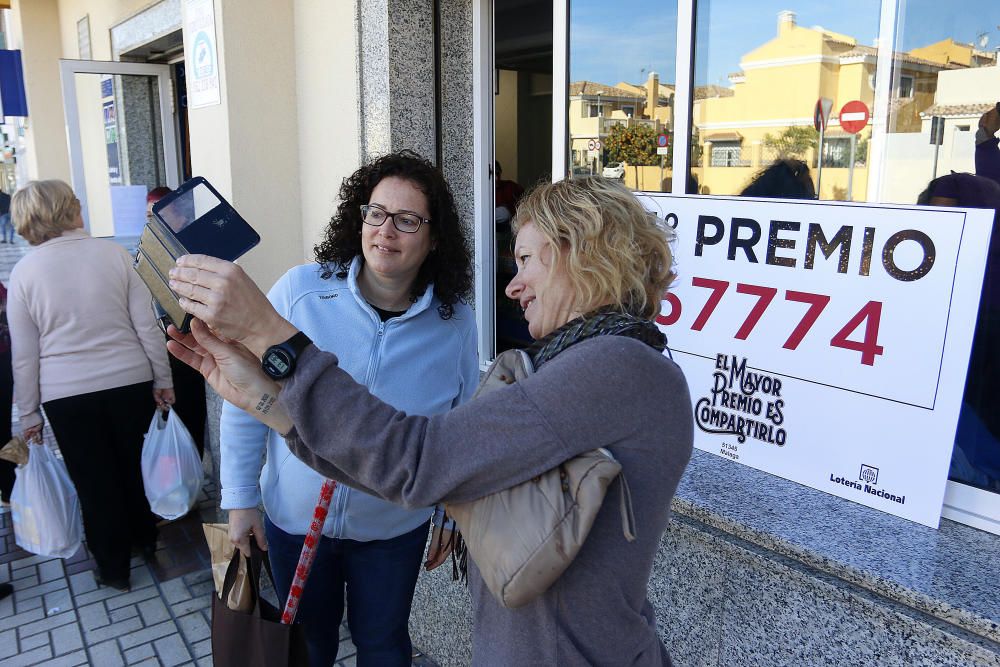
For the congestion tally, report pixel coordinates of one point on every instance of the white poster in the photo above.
(201, 57)
(827, 343)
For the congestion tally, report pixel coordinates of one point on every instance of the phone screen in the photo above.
(207, 224)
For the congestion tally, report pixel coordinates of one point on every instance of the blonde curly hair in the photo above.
(614, 251)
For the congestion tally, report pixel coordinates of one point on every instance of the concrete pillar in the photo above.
(397, 66)
(35, 30)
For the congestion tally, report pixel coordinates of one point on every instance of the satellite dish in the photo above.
(983, 39)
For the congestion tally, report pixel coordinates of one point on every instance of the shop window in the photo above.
(622, 57)
(756, 75)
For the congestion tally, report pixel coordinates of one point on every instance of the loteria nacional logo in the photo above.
(743, 403)
(868, 474)
(868, 483)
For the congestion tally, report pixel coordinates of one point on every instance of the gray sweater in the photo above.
(609, 392)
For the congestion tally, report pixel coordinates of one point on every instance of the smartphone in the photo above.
(204, 222)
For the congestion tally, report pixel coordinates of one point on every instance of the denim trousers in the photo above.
(378, 578)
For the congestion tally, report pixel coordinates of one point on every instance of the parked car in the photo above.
(582, 170)
(613, 170)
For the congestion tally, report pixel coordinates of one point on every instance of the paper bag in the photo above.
(221, 549)
(15, 451)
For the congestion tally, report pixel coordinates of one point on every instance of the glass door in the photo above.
(120, 126)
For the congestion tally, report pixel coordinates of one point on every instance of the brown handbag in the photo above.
(523, 538)
(256, 638)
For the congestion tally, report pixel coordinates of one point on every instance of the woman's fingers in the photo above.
(223, 296)
(206, 339)
(205, 262)
(187, 340)
(185, 354)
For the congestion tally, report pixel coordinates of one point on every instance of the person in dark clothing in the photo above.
(189, 387)
(988, 146)
(508, 193)
(785, 179)
(6, 226)
(976, 457)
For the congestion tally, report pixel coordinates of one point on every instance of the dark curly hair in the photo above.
(448, 266)
(787, 178)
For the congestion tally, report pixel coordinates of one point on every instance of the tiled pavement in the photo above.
(58, 616)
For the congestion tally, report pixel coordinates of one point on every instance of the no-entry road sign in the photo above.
(854, 116)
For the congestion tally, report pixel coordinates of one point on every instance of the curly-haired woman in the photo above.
(386, 295)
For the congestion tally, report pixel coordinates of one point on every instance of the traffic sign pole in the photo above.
(853, 118)
(821, 115)
(819, 163)
(850, 172)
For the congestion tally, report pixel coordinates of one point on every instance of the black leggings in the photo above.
(6, 398)
(100, 435)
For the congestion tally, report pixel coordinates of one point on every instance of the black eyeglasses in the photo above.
(375, 215)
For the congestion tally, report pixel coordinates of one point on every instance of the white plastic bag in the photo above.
(45, 507)
(171, 470)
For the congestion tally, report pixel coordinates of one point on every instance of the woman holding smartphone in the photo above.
(386, 294)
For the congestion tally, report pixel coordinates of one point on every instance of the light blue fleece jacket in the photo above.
(417, 362)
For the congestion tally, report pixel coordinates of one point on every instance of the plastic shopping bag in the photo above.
(45, 507)
(171, 470)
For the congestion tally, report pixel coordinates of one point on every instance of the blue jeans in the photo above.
(379, 578)
(6, 228)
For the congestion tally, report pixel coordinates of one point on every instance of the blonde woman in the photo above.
(86, 348)
(592, 268)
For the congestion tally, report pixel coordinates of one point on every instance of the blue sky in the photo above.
(620, 40)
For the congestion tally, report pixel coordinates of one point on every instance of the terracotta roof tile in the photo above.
(957, 110)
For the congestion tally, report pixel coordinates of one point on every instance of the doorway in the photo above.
(122, 140)
(522, 136)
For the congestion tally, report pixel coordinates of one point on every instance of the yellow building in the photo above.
(948, 51)
(777, 88)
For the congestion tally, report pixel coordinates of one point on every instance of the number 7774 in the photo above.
(870, 315)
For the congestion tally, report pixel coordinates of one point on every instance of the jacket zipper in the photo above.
(370, 374)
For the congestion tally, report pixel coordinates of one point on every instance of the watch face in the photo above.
(277, 363)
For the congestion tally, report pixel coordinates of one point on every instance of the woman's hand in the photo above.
(233, 371)
(242, 524)
(442, 543)
(164, 398)
(32, 434)
(223, 296)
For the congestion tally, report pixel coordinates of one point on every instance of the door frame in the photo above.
(67, 71)
(484, 230)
